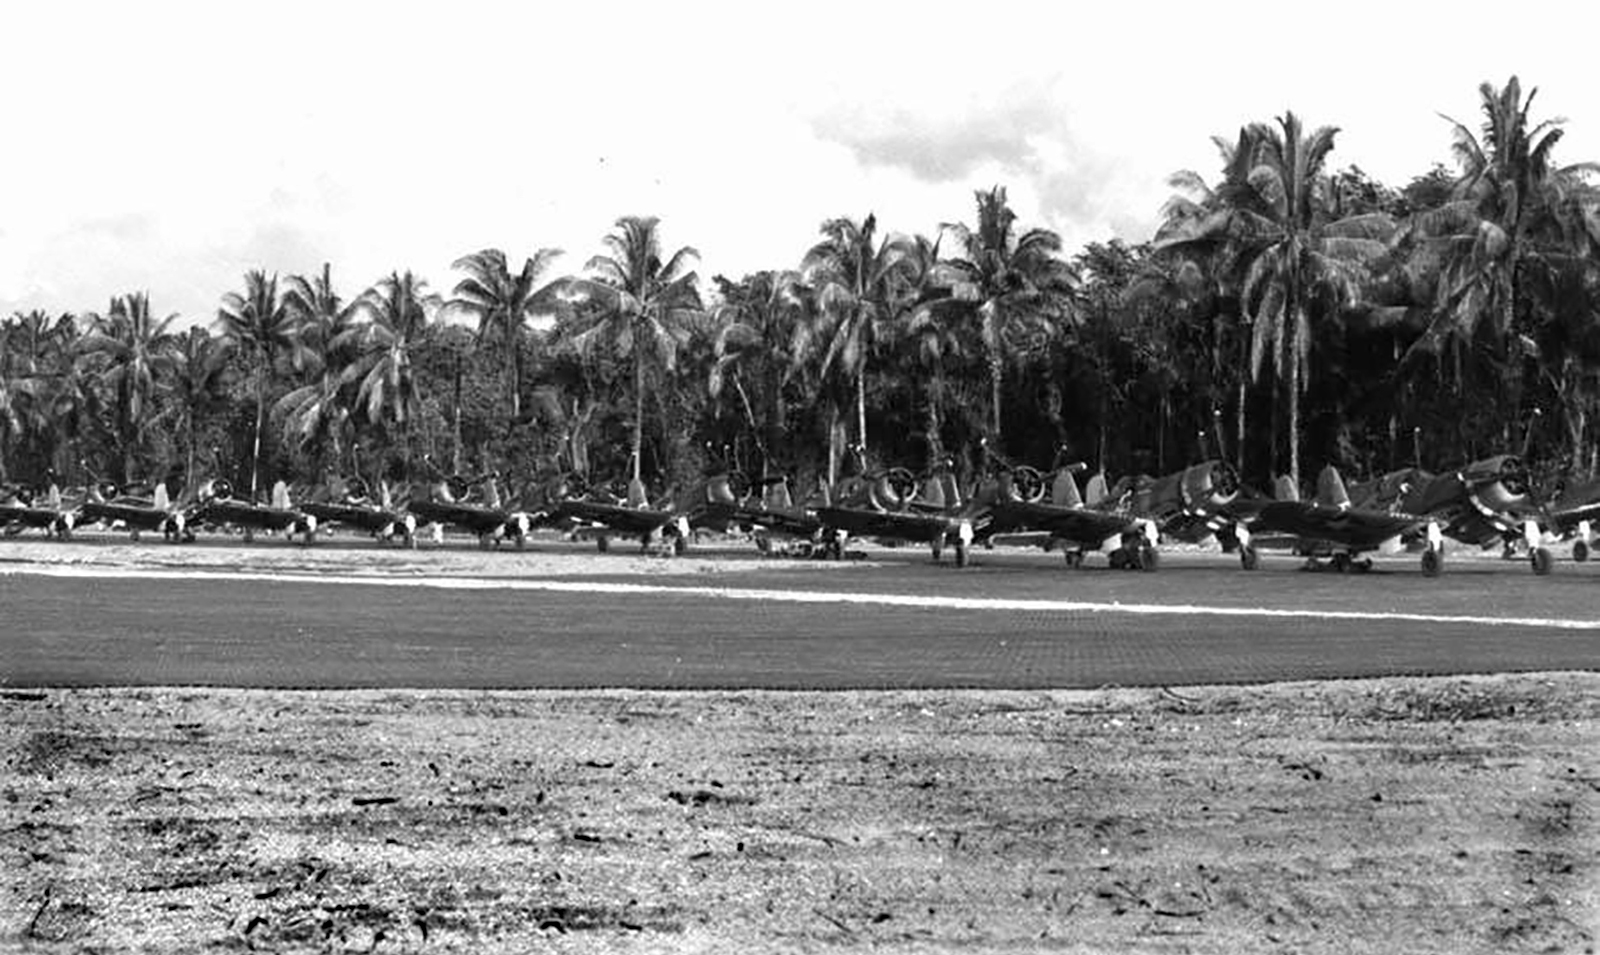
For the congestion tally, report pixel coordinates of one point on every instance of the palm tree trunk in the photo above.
(255, 454)
(935, 397)
(996, 372)
(638, 411)
(861, 409)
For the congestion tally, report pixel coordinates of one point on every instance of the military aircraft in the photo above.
(349, 503)
(602, 515)
(1572, 514)
(135, 512)
(490, 521)
(1019, 514)
(892, 505)
(1485, 503)
(21, 509)
(216, 506)
(763, 508)
(1330, 525)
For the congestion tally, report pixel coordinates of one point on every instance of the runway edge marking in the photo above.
(910, 601)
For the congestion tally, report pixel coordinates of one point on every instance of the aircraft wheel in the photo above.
(961, 554)
(938, 550)
(1249, 559)
(1341, 563)
(680, 546)
(1432, 562)
(249, 535)
(1580, 551)
(522, 542)
(1542, 560)
(1074, 558)
(1149, 558)
(602, 543)
(134, 536)
(763, 543)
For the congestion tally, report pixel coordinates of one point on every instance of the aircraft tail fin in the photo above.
(1330, 488)
(636, 495)
(161, 500)
(1283, 489)
(1095, 491)
(1064, 490)
(280, 496)
(777, 495)
(933, 493)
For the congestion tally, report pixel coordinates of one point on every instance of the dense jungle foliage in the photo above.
(1284, 315)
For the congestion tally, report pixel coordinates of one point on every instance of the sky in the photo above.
(171, 147)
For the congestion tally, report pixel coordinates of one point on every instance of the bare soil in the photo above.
(1400, 815)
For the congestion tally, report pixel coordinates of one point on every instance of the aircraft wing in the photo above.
(1082, 526)
(1342, 527)
(618, 517)
(890, 525)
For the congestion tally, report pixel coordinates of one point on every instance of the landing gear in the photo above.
(680, 546)
(1580, 551)
(1249, 559)
(1074, 558)
(961, 553)
(1432, 562)
(1149, 558)
(1542, 560)
(602, 543)
(938, 549)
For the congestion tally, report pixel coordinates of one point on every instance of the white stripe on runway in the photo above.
(916, 601)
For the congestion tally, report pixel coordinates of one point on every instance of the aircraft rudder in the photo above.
(1283, 489)
(1331, 491)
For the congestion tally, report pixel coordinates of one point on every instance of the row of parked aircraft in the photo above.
(1486, 504)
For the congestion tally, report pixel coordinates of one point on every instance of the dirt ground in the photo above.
(1403, 815)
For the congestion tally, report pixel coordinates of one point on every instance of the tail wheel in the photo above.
(1432, 562)
(1580, 551)
(961, 554)
(1248, 558)
(1542, 560)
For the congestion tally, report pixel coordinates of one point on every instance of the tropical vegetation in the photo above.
(1285, 314)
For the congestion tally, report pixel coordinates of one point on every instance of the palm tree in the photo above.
(755, 327)
(132, 354)
(1014, 288)
(503, 303)
(397, 312)
(318, 316)
(200, 383)
(856, 279)
(1306, 260)
(638, 307)
(1207, 235)
(261, 327)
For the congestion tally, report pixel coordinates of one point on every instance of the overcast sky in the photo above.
(171, 147)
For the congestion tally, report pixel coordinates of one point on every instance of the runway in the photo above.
(1008, 622)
